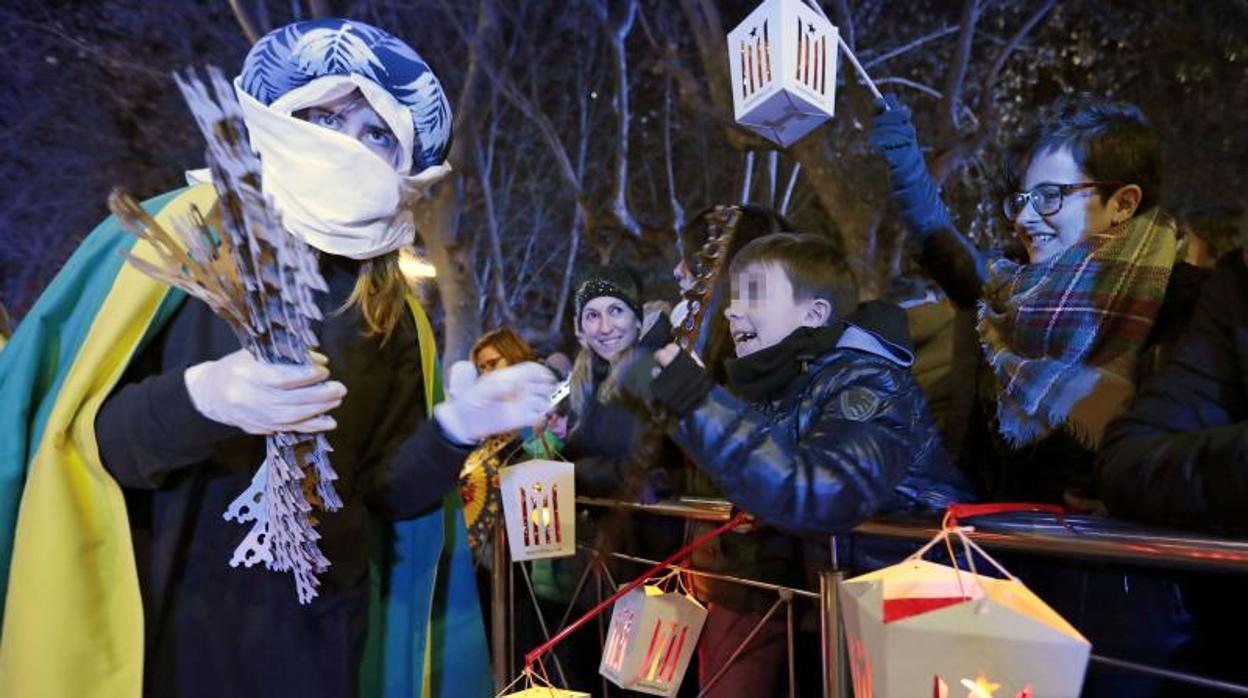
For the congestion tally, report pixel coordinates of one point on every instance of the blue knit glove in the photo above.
(893, 136)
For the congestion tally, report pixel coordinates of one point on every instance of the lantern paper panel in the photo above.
(539, 508)
(651, 640)
(920, 628)
(782, 59)
(981, 687)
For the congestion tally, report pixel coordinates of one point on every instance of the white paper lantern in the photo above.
(919, 628)
(539, 508)
(783, 63)
(651, 639)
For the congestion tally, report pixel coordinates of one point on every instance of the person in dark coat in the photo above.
(1179, 455)
(821, 425)
(1065, 333)
(183, 431)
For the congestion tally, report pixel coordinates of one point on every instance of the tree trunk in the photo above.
(438, 222)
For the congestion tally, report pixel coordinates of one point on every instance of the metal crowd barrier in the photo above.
(1074, 536)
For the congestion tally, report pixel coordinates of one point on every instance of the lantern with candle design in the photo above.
(651, 639)
(921, 628)
(783, 63)
(539, 508)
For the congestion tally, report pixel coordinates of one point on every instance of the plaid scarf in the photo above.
(1063, 337)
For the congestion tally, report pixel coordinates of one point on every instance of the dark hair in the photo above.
(1223, 227)
(1110, 141)
(755, 222)
(813, 264)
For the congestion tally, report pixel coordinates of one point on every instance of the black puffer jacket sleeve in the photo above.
(823, 465)
(949, 258)
(1180, 454)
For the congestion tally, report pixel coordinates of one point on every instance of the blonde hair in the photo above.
(583, 378)
(380, 293)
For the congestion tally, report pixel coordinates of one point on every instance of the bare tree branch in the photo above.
(617, 33)
(788, 190)
(747, 177)
(956, 75)
(484, 166)
(244, 21)
(963, 149)
(909, 46)
(773, 164)
(912, 84)
(845, 21)
(678, 212)
(319, 9)
(985, 105)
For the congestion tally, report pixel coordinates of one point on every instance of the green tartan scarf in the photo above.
(1063, 337)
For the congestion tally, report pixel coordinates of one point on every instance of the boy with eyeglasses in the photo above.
(1063, 335)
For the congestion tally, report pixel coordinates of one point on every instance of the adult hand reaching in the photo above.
(499, 401)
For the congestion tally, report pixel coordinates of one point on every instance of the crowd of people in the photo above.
(1101, 367)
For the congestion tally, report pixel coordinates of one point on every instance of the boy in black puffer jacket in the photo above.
(821, 427)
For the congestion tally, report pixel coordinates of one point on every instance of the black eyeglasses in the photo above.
(1046, 198)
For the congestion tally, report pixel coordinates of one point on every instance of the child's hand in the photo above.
(664, 357)
(668, 354)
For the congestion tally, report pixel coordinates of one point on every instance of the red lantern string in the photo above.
(954, 512)
(594, 612)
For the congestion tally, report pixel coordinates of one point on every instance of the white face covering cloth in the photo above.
(332, 191)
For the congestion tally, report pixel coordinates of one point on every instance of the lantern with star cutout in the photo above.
(921, 628)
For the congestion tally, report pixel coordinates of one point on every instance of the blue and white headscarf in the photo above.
(294, 55)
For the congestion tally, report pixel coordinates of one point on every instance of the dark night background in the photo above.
(545, 182)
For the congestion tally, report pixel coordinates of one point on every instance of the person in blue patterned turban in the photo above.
(119, 583)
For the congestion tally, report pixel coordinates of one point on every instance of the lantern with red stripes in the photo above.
(539, 509)
(921, 628)
(783, 63)
(651, 639)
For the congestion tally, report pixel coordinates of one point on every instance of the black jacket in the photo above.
(850, 437)
(1180, 454)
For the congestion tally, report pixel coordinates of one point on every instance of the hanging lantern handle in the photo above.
(849, 53)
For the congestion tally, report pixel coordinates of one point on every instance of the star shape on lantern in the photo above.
(980, 687)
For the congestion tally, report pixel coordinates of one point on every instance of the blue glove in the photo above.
(893, 136)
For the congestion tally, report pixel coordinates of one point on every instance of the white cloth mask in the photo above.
(332, 191)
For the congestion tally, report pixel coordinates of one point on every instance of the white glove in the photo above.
(461, 376)
(263, 398)
(499, 401)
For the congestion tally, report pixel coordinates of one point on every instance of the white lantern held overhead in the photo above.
(783, 59)
(539, 509)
